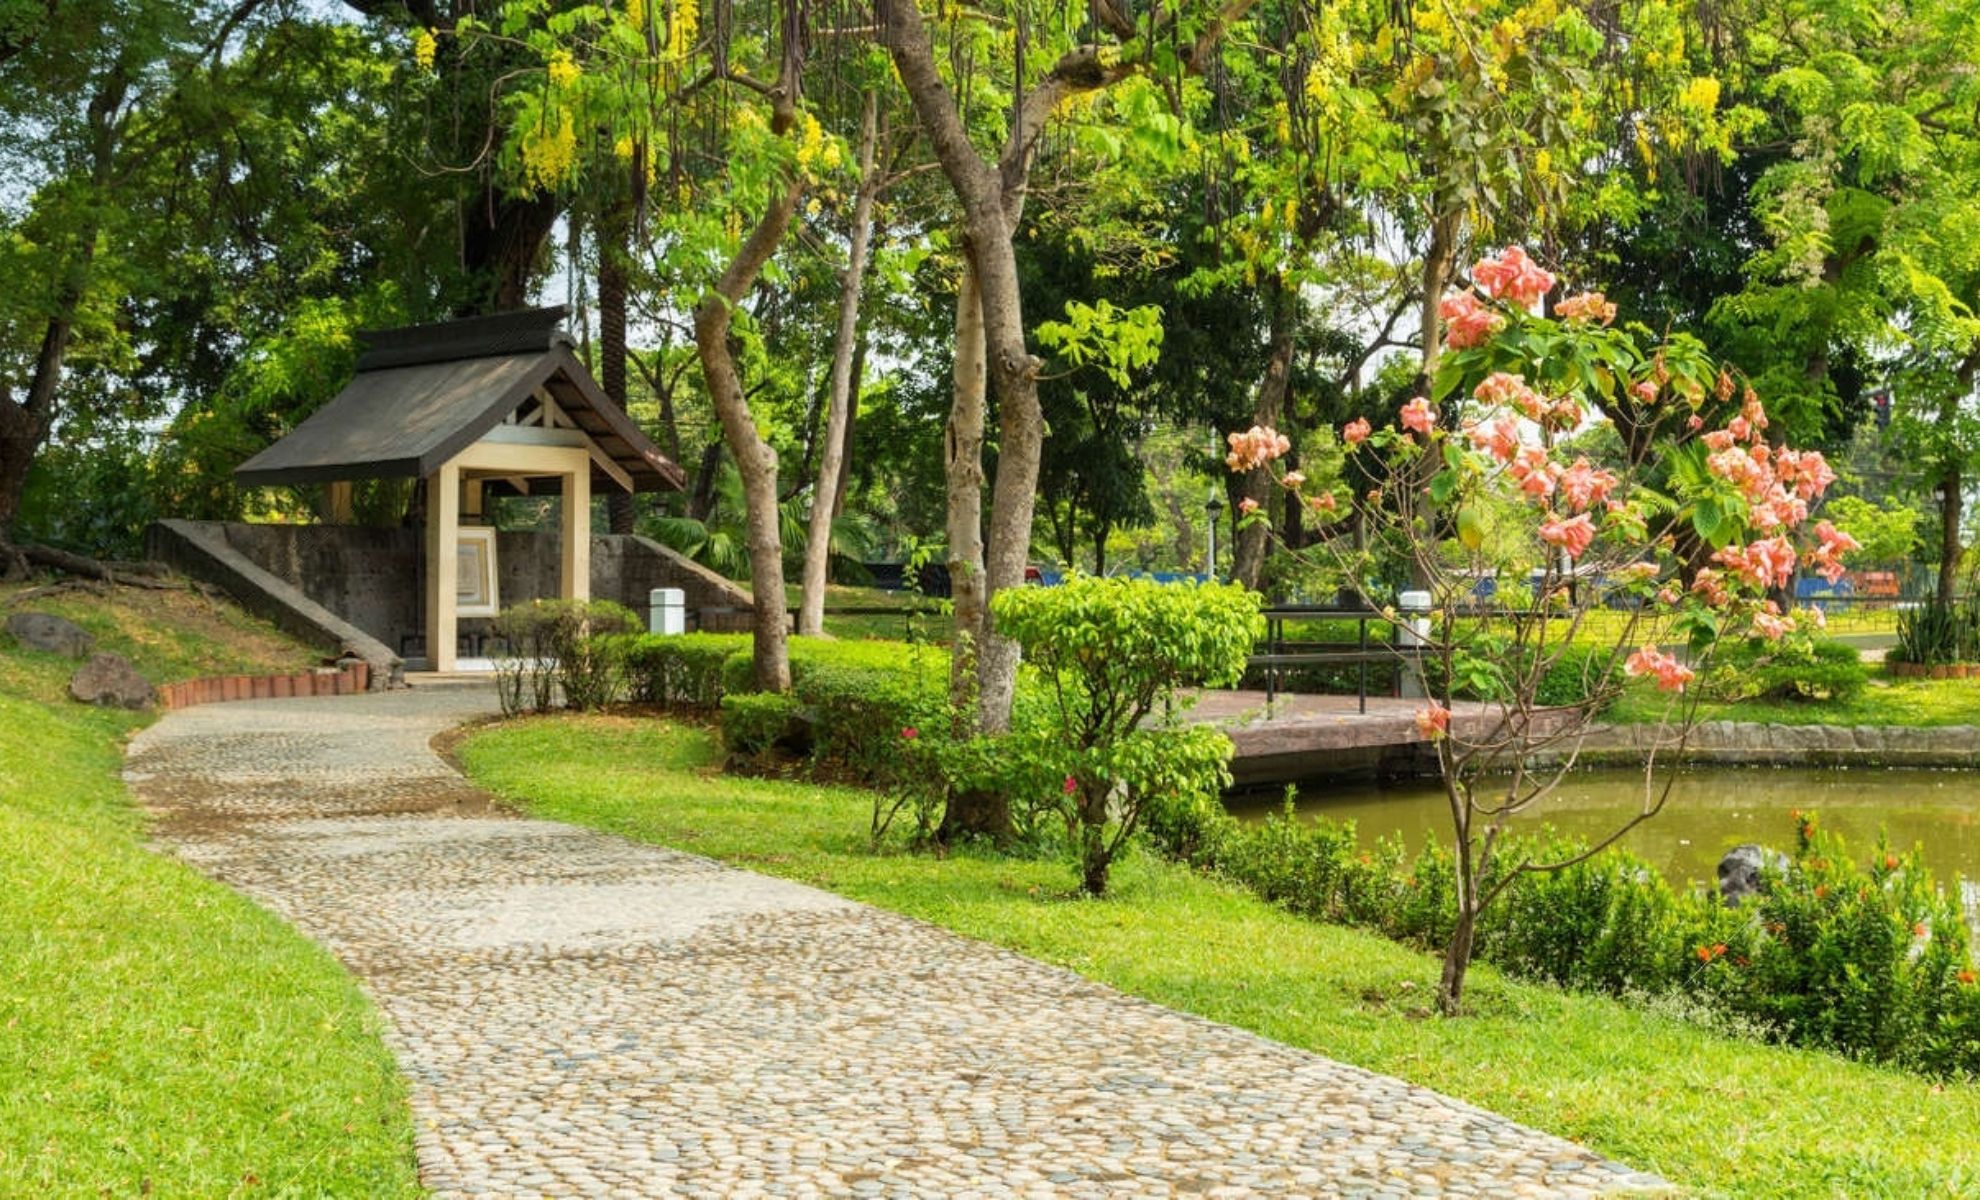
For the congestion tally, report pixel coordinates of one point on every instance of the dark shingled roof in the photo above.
(424, 393)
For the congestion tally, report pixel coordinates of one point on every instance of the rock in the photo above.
(50, 634)
(110, 680)
(1739, 871)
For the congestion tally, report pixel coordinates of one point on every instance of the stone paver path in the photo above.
(582, 1015)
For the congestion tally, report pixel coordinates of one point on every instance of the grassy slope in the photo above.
(159, 1032)
(1714, 1114)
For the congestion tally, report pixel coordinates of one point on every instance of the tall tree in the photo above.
(990, 189)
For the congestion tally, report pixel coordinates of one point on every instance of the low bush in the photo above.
(1794, 669)
(1873, 961)
(575, 645)
(683, 670)
(755, 724)
(1114, 653)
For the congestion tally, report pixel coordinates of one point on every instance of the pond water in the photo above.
(1710, 811)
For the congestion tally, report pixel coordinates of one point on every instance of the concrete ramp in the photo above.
(200, 549)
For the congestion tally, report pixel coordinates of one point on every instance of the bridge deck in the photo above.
(1306, 736)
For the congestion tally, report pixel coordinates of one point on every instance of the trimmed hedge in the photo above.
(682, 670)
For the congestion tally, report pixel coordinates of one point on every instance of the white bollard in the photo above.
(667, 611)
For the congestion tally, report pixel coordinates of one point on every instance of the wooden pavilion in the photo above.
(473, 408)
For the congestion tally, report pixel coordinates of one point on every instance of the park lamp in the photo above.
(1212, 509)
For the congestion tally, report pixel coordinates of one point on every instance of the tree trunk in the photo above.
(701, 499)
(501, 240)
(612, 339)
(1248, 552)
(963, 472)
(1950, 504)
(851, 438)
(756, 461)
(824, 496)
(1457, 962)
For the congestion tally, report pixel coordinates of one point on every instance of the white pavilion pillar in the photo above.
(443, 557)
(574, 578)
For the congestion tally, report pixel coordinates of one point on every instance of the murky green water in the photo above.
(1710, 811)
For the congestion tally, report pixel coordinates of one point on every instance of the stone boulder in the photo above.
(111, 681)
(1739, 871)
(50, 634)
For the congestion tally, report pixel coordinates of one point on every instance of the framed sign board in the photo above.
(476, 592)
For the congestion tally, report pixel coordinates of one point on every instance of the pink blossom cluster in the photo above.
(1767, 563)
(1770, 624)
(1498, 438)
(1513, 277)
(1417, 416)
(1830, 545)
(1584, 486)
(1587, 306)
(1356, 431)
(1512, 391)
(1467, 321)
(1433, 722)
(1535, 472)
(1572, 534)
(1255, 447)
(1671, 675)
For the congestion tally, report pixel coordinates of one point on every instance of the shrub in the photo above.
(1930, 634)
(756, 723)
(681, 670)
(1794, 669)
(1112, 653)
(1872, 961)
(587, 639)
(575, 644)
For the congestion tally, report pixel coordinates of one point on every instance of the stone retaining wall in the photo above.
(1755, 743)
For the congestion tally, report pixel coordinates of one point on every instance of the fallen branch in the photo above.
(141, 576)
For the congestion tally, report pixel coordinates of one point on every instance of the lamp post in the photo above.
(1212, 509)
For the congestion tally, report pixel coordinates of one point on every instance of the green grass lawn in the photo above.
(1886, 701)
(1714, 1114)
(159, 1034)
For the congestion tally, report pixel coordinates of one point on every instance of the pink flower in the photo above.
(1644, 390)
(1763, 564)
(910, 733)
(1831, 545)
(1534, 472)
(1356, 431)
(1247, 506)
(1071, 785)
(1255, 447)
(1719, 439)
(1740, 428)
(1771, 624)
(1513, 277)
(1671, 675)
(1564, 413)
(1711, 585)
(1467, 321)
(1433, 722)
(1582, 486)
(1668, 596)
(1294, 479)
(1572, 535)
(1324, 502)
(1417, 417)
(1694, 422)
(1588, 306)
(1500, 438)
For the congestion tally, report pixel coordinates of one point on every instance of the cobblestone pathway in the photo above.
(581, 1015)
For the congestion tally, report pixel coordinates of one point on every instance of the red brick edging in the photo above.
(348, 680)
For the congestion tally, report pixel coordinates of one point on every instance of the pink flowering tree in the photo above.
(1636, 561)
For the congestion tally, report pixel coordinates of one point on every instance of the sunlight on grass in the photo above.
(1711, 1113)
(163, 1035)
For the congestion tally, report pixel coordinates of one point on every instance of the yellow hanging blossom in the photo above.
(550, 154)
(1701, 96)
(811, 142)
(680, 28)
(563, 72)
(623, 148)
(732, 225)
(424, 48)
(636, 13)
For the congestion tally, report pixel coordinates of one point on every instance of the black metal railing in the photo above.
(1282, 653)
